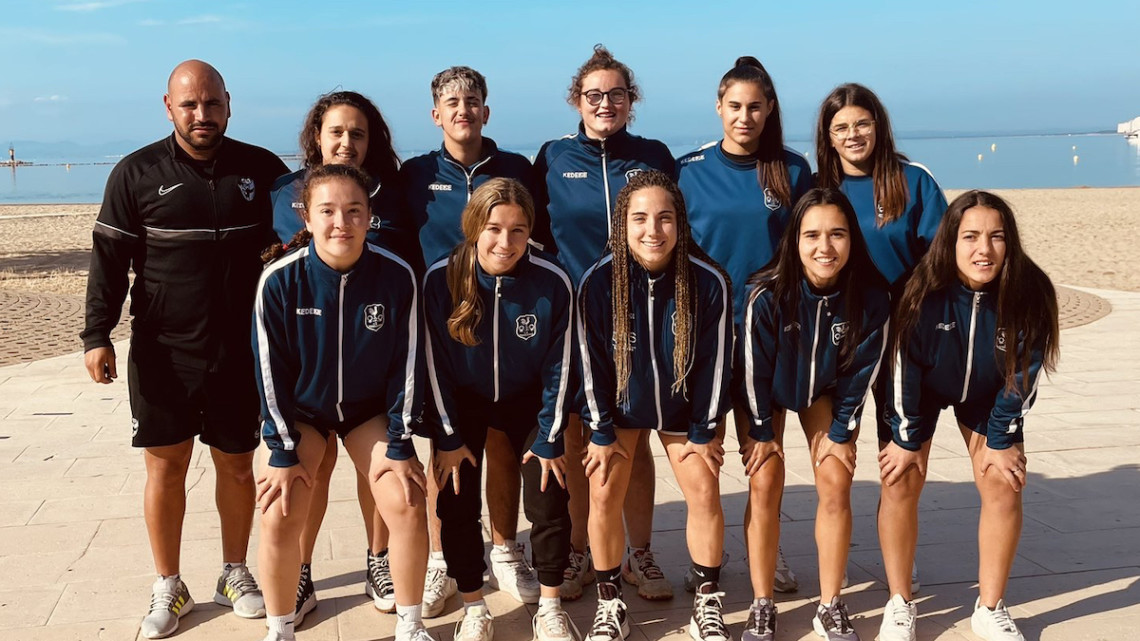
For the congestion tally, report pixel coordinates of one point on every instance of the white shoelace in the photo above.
(900, 614)
(241, 581)
(648, 565)
(1003, 619)
(474, 627)
(555, 620)
(708, 614)
(436, 582)
(606, 620)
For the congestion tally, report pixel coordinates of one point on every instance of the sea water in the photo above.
(982, 162)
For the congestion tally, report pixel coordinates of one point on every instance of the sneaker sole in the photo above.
(695, 632)
(382, 604)
(308, 606)
(631, 578)
(493, 581)
(222, 599)
(181, 613)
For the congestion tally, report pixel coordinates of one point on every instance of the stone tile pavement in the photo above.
(74, 562)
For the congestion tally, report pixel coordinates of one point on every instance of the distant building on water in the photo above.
(1130, 128)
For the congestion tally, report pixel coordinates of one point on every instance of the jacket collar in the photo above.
(487, 150)
(617, 140)
(487, 281)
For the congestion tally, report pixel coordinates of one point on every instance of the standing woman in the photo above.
(500, 327)
(976, 328)
(898, 203)
(343, 128)
(655, 332)
(740, 192)
(577, 180)
(338, 345)
(814, 335)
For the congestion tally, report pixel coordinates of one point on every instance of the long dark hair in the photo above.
(786, 271)
(381, 161)
(462, 277)
(891, 193)
(771, 166)
(319, 174)
(1026, 299)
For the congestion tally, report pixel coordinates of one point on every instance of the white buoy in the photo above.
(1074, 147)
(993, 147)
(1076, 159)
(979, 158)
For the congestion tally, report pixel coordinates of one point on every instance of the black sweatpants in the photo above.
(461, 531)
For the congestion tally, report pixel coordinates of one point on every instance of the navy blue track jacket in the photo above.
(652, 403)
(956, 356)
(387, 227)
(525, 342)
(897, 246)
(734, 218)
(790, 362)
(333, 345)
(577, 181)
(437, 188)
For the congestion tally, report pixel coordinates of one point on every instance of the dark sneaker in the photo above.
(306, 595)
(378, 583)
(832, 622)
(707, 622)
(761, 624)
(610, 623)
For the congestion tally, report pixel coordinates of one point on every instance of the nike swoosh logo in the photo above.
(163, 192)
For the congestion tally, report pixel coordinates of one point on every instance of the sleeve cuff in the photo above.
(603, 437)
(548, 450)
(447, 442)
(762, 432)
(283, 458)
(400, 449)
(701, 434)
(839, 432)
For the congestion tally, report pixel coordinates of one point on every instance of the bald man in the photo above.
(190, 215)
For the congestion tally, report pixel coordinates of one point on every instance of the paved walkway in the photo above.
(74, 562)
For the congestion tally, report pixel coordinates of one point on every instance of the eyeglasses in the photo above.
(617, 96)
(861, 128)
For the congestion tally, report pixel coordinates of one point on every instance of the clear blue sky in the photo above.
(94, 71)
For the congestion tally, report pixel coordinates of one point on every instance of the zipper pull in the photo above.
(498, 286)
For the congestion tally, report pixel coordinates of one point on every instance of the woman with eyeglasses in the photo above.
(898, 203)
(577, 181)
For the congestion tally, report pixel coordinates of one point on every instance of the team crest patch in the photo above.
(838, 332)
(999, 339)
(631, 173)
(374, 222)
(526, 326)
(134, 427)
(245, 185)
(771, 201)
(374, 316)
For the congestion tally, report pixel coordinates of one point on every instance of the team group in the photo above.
(540, 321)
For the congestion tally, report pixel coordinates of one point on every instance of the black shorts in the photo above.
(359, 415)
(975, 415)
(172, 403)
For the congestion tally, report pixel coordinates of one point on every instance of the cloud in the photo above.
(87, 7)
(208, 19)
(56, 39)
(51, 98)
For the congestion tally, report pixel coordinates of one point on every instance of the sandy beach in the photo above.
(1071, 233)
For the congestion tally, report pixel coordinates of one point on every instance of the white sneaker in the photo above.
(554, 624)
(477, 624)
(169, 601)
(238, 589)
(898, 620)
(413, 632)
(511, 573)
(915, 584)
(577, 575)
(785, 578)
(438, 587)
(995, 624)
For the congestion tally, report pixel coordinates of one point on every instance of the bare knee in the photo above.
(997, 493)
(604, 499)
(906, 489)
(833, 485)
(766, 486)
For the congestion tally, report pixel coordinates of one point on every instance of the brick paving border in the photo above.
(38, 326)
